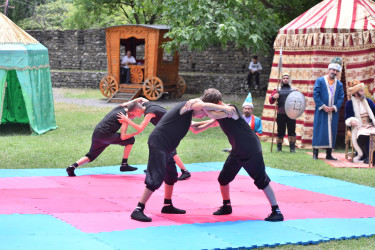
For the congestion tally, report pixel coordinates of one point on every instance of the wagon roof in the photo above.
(153, 26)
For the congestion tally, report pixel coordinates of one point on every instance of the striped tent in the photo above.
(344, 28)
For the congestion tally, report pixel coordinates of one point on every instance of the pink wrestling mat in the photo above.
(341, 161)
(103, 203)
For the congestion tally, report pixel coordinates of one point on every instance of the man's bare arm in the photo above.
(220, 114)
(197, 127)
(137, 127)
(141, 100)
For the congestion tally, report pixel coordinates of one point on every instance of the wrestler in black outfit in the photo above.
(162, 144)
(247, 153)
(105, 133)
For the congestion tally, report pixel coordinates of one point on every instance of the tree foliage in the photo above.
(286, 11)
(245, 23)
(131, 11)
(200, 23)
(196, 24)
(20, 9)
(51, 15)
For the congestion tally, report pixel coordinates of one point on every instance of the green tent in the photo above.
(25, 80)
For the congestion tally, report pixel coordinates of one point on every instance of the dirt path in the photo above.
(58, 95)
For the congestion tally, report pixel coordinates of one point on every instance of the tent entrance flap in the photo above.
(14, 108)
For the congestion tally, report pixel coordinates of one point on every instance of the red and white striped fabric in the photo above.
(332, 28)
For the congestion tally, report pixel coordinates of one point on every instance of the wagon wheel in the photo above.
(180, 88)
(136, 75)
(108, 86)
(153, 88)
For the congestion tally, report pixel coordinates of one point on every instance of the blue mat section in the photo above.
(46, 232)
(172, 237)
(240, 234)
(332, 229)
(38, 231)
(259, 233)
(193, 167)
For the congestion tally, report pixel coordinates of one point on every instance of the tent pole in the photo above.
(277, 89)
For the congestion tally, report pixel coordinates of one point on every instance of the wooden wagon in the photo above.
(155, 71)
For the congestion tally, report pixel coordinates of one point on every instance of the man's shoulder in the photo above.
(369, 100)
(257, 118)
(339, 82)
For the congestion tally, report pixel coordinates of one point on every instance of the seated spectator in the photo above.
(255, 67)
(359, 114)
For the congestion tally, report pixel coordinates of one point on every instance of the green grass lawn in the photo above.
(61, 147)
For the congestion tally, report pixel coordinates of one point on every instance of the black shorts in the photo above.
(254, 166)
(161, 167)
(98, 145)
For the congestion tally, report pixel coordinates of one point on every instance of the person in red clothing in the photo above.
(282, 120)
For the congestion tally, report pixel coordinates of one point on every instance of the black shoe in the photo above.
(185, 175)
(292, 147)
(140, 216)
(315, 153)
(70, 171)
(366, 161)
(145, 170)
(127, 167)
(330, 157)
(279, 147)
(227, 150)
(223, 210)
(275, 216)
(172, 210)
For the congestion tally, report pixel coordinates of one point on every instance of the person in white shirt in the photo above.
(255, 67)
(125, 70)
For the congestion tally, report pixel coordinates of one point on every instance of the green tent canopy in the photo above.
(25, 80)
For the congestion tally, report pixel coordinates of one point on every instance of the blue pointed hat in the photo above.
(248, 101)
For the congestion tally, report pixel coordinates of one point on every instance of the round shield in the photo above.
(295, 105)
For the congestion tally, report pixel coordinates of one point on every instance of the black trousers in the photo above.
(125, 75)
(254, 166)
(363, 142)
(283, 122)
(250, 77)
(98, 145)
(161, 167)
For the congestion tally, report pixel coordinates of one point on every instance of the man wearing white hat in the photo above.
(359, 114)
(254, 122)
(328, 97)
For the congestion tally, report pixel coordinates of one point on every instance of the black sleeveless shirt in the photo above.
(109, 124)
(170, 130)
(157, 110)
(243, 139)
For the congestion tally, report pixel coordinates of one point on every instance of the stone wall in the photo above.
(74, 49)
(76, 78)
(78, 59)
